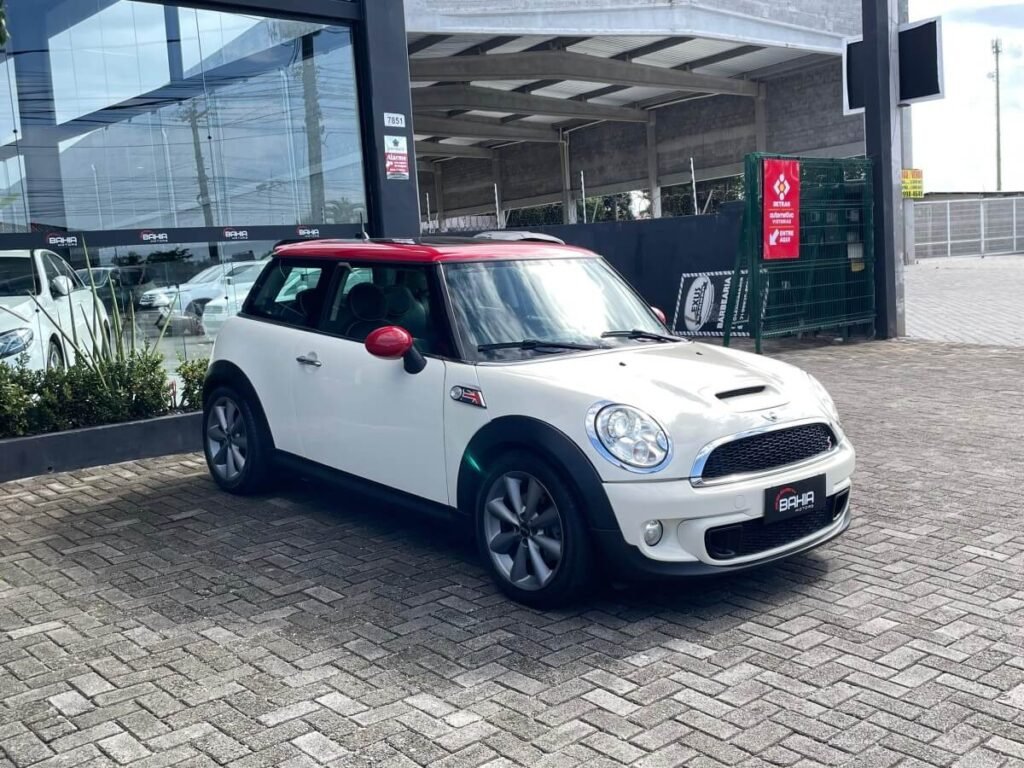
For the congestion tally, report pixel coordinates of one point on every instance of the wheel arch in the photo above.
(508, 433)
(225, 373)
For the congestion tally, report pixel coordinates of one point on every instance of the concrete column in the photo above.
(439, 193)
(760, 117)
(382, 63)
(569, 215)
(909, 233)
(652, 164)
(883, 138)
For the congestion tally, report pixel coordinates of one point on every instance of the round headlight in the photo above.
(628, 437)
(824, 398)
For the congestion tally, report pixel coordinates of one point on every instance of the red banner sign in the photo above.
(781, 209)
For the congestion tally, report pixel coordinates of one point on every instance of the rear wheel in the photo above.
(54, 356)
(530, 532)
(235, 442)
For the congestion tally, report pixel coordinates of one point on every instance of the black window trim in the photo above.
(332, 268)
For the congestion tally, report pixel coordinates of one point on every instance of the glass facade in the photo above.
(125, 115)
(156, 140)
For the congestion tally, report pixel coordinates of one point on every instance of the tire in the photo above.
(236, 443)
(54, 356)
(540, 557)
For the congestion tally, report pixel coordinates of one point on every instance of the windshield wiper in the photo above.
(636, 333)
(536, 344)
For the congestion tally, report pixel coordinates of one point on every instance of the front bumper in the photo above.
(687, 513)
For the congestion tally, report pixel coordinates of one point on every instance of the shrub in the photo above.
(104, 391)
(192, 374)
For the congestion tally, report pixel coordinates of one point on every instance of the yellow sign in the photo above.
(913, 183)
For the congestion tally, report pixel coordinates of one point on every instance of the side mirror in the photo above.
(660, 315)
(229, 281)
(61, 286)
(392, 343)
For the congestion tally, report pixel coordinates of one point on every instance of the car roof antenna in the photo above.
(362, 228)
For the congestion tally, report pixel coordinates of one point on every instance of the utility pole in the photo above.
(997, 49)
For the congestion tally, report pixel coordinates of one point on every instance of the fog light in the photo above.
(652, 532)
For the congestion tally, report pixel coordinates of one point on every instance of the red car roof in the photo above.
(430, 254)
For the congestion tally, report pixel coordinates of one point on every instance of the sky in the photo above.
(954, 138)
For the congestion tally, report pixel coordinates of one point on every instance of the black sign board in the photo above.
(920, 64)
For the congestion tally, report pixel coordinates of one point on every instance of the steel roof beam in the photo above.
(470, 97)
(564, 65)
(434, 149)
(481, 129)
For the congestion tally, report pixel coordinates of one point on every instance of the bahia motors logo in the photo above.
(232, 233)
(789, 499)
(310, 232)
(59, 240)
(149, 236)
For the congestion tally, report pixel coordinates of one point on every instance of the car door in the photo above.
(365, 415)
(76, 311)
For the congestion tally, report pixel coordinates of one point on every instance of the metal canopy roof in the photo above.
(474, 92)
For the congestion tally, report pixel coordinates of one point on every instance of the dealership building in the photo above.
(212, 130)
(180, 134)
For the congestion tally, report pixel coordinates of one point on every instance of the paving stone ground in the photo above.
(148, 620)
(967, 299)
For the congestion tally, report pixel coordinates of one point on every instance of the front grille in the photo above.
(768, 450)
(729, 542)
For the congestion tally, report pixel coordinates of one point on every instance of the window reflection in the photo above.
(567, 300)
(174, 117)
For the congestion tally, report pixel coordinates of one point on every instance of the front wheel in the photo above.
(530, 532)
(235, 443)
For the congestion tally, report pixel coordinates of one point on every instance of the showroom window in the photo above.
(169, 117)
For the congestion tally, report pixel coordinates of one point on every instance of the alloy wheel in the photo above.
(226, 439)
(523, 530)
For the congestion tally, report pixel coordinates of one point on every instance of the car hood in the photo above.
(698, 393)
(16, 312)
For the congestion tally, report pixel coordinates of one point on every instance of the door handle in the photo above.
(309, 359)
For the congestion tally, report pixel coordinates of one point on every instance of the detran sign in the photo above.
(781, 209)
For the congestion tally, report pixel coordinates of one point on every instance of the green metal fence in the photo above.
(830, 287)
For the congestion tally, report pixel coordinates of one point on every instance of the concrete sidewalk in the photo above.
(967, 299)
(148, 619)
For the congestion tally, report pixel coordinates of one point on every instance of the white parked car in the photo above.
(44, 309)
(525, 389)
(234, 291)
(196, 291)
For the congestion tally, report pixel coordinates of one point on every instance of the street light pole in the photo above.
(997, 49)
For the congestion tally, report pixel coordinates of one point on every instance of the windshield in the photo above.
(570, 301)
(99, 275)
(207, 275)
(247, 274)
(17, 276)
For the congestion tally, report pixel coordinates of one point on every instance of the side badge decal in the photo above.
(469, 396)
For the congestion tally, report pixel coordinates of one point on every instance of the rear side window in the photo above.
(290, 292)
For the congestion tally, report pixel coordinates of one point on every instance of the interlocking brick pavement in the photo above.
(147, 619)
(967, 299)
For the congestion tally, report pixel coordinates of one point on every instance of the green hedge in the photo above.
(107, 391)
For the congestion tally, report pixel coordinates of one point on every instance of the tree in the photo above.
(4, 35)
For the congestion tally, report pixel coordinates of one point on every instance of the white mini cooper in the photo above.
(525, 388)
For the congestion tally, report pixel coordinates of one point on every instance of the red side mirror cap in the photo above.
(660, 315)
(391, 342)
